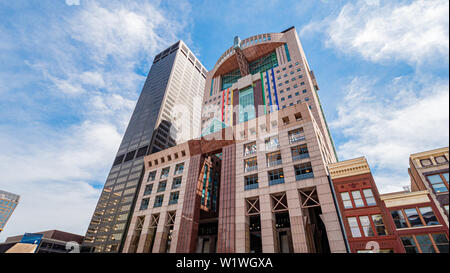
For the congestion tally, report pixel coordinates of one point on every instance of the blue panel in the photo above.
(275, 90)
(268, 90)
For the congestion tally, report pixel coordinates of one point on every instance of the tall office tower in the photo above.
(257, 179)
(8, 202)
(175, 83)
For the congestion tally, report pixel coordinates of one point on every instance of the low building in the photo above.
(365, 219)
(429, 171)
(417, 221)
(50, 241)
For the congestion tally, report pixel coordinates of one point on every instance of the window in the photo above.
(303, 171)
(354, 227)
(144, 204)
(379, 225)
(250, 164)
(148, 189)
(414, 217)
(176, 183)
(409, 244)
(366, 226)
(296, 135)
(370, 200)
(346, 200)
(439, 182)
(158, 201)
(426, 243)
(151, 176)
(179, 168)
(446, 208)
(428, 216)
(273, 159)
(249, 148)
(162, 186)
(272, 143)
(426, 162)
(357, 198)
(173, 199)
(399, 219)
(276, 177)
(251, 182)
(299, 152)
(165, 172)
(304, 91)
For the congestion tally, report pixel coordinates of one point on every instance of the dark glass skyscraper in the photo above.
(175, 82)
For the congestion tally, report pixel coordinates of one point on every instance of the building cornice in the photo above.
(348, 168)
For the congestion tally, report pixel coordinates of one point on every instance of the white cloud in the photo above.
(86, 63)
(380, 31)
(388, 128)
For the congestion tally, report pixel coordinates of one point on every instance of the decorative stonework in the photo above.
(349, 168)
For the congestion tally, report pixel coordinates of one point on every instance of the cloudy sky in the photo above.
(71, 72)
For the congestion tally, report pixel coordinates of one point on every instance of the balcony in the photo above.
(274, 163)
(178, 172)
(296, 138)
(157, 205)
(300, 156)
(276, 181)
(304, 176)
(251, 169)
(251, 186)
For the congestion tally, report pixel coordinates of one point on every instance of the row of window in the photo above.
(273, 142)
(426, 243)
(438, 159)
(414, 217)
(358, 199)
(302, 171)
(179, 168)
(173, 199)
(275, 159)
(369, 225)
(176, 183)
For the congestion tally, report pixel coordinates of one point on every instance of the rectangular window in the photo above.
(144, 204)
(303, 171)
(148, 189)
(370, 200)
(413, 217)
(165, 172)
(249, 148)
(176, 183)
(251, 182)
(273, 159)
(409, 244)
(246, 105)
(179, 168)
(438, 182)
(276, 177)
(162, 186)
(354, 227)
(428, 216)
(296, 135)
(425, 244)
(399, 219)
(151, 176)
(441, 242)
(379, 225)
(346, 200)
(366, 226)
(272, 143)
(357, 198)
(250, 164)
(158, 201)
(299, 152)
(173, 199)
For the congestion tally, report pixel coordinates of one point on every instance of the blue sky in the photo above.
(71, 72)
